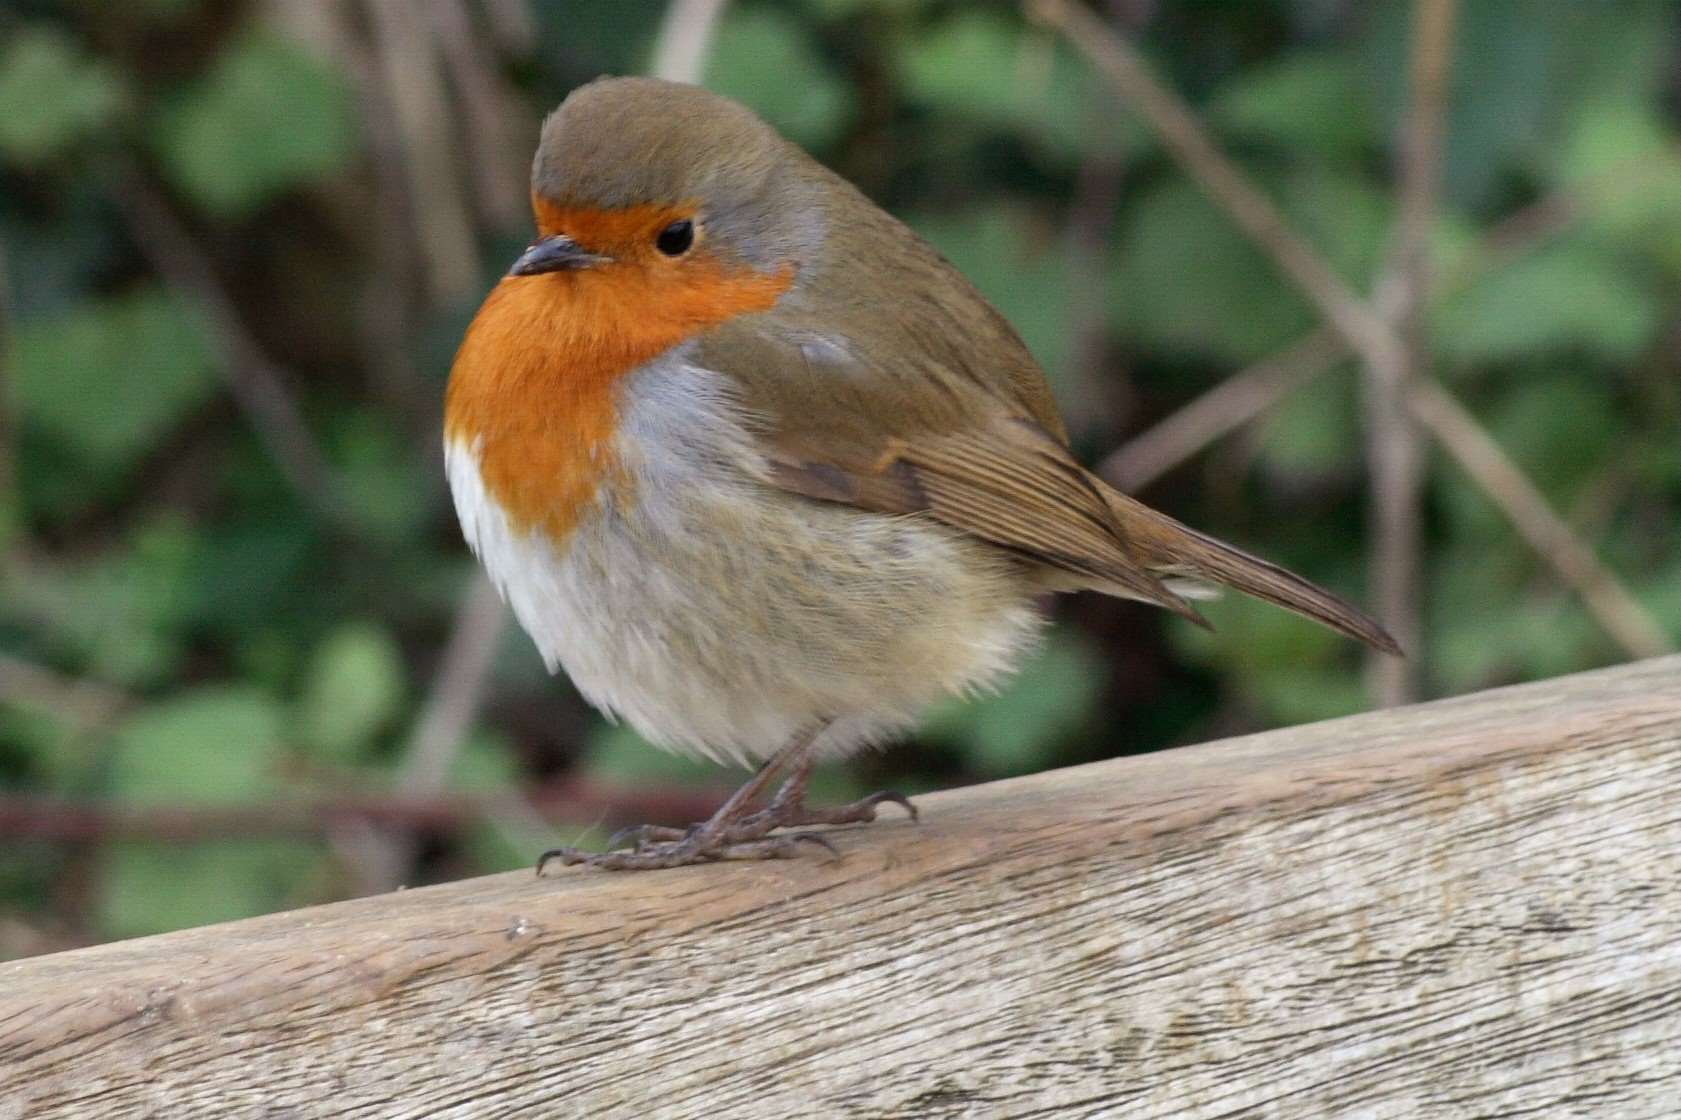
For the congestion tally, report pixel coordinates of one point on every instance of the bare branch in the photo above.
(684, 38)
(380, 858)
(1395, 450)
(1258, 387)
(1228, 406)
(24, 816)
(258, 384)
(1474, 449)
(458, 690)
(1365, 331)
(377, 855)
(8, 407)
(85, 703)
(493, 119)
(441, 221)
(1220, 178)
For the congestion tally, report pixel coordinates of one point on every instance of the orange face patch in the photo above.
(533, 383)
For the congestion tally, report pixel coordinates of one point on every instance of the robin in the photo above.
(767, 477)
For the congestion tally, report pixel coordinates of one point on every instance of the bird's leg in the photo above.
(718, 837)
(788, 808)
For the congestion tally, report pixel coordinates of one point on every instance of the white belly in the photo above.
(715, 613)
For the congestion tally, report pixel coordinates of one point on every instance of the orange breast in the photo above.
(534, 383)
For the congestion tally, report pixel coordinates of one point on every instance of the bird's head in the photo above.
(663, 208)
(662, 211)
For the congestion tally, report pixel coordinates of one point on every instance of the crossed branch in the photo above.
(1384, 332)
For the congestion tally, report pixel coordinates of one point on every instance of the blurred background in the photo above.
(246, 662)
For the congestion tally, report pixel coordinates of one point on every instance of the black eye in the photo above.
(674, 240)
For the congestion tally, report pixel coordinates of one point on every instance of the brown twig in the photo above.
(1220, 178)
(1258, 387)
(493, 120)
(1228, 406)
(452, 705)
(27, 817)
(685, 38)
(1395, 449)
(512, 25)
(1621, 615)
(87, 704)
(8, 407)
(378, 855)
(1091, 401)
(1364, 331)
(259, 385)
(441, 222)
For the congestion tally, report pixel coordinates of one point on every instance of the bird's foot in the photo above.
(783, 812)
(655, 848)
(646, 847)
(734, 832)
(793, 812)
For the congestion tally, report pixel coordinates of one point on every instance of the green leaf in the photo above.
(153, 887)
(1292, 694)
(764, 59)
(1190, 285)
(619, 756)
(269, 116)
(983, 66)
(1250, 636)
(1023, 271)
(1314, 430)
(1662, 596)
(51, 95)
(376, 470)
(1316, 100)
(1290, 669)
(491, 848)
(110, 377)
(1532, 636)
(121, 613)
(353, 690)
(1559, 429)
(1017, 730)
(485, 764)
(846, 9)
(1568, 297)
(1620, 162)
(208, 745)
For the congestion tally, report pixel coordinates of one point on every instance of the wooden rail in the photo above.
(1468, 908)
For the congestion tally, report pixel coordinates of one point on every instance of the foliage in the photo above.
(264, 643)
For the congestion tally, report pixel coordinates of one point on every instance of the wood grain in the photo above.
(1463, 909)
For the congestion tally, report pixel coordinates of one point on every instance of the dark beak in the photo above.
(555, 253)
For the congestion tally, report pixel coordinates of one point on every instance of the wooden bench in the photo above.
(1466, 908)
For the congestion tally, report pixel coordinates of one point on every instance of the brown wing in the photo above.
(840, 431)
(929, 403)
(1009, 483)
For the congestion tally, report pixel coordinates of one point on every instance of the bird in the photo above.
(765, 474)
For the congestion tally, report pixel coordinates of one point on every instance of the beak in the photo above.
(556, 253)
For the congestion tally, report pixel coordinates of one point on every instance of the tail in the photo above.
(1171, 550)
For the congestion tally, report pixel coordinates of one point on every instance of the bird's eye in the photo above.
(674, 240)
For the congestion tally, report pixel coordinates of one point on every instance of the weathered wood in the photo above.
(1470, 908)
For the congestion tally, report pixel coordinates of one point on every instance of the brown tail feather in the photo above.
(1169, 548)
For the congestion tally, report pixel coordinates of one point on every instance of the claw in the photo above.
(645, 834)
(566, 856)
(820, 840)
(894, 798)
(637, 833)
(732, 833)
